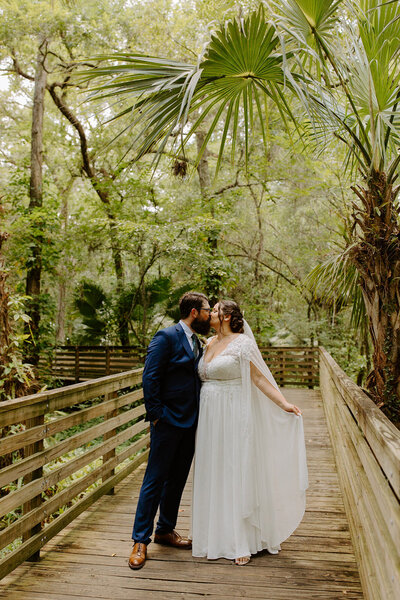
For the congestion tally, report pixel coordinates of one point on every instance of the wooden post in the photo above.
(283, 366)
(53, 363)
(76, 364)
(37, 500)
(108, 353)
(310, 355)
(107, 436)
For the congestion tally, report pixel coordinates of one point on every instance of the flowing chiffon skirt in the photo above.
(218, 527)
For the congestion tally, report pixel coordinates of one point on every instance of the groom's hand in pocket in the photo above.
(155, 422)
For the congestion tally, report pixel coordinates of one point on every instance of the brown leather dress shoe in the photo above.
(138, 556)
(172, 539)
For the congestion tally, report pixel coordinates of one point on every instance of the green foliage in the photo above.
(142, 307)
(335, 283)
(94, 308)
(15, 374)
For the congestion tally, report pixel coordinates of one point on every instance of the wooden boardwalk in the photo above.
(89, 558)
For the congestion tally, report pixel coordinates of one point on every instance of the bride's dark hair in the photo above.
(229, 307)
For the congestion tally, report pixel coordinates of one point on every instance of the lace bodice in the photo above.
(226, 365)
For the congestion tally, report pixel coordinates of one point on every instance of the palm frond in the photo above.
(335, 284)
(312, 20)
(342, 65)
(356, 82)
(239, 66)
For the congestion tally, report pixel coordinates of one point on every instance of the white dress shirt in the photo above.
(188, 332)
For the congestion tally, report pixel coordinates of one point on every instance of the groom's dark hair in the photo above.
(191, 300)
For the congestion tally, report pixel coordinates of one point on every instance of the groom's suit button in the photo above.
(138, 556)
(172, 539)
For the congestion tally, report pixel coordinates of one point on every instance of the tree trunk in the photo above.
(123, 329)
(61, 307)
(34, 271)
(100, 186)
(377, 258)
(63, 271)
(203, 169)
(212, 280)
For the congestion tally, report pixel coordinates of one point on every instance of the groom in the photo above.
(171, 389)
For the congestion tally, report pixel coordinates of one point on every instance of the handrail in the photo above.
(367, 452)
(20, 409)
(112, 444)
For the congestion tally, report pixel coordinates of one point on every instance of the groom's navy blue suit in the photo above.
(171, 389)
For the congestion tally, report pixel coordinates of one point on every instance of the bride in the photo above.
(250, 472)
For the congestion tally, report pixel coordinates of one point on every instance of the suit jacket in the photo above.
(171, 385)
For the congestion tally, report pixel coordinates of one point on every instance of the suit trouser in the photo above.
(170, 458)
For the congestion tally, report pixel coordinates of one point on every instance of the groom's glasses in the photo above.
(209, 309)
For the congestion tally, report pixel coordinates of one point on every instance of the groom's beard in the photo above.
(201, 327)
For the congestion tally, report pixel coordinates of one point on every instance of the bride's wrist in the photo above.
(283, 403)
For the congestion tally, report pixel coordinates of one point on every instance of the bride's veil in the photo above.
(274, 469)
(260, 362)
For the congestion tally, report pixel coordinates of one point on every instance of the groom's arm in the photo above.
(157, 358)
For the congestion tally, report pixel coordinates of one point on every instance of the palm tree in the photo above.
(339, 60)
(350, 90)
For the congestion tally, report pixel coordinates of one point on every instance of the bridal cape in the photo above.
(250, 473)
(274, 464)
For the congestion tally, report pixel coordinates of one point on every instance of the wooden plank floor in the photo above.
(89, 559)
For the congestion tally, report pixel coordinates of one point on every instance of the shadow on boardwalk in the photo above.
(89, 558)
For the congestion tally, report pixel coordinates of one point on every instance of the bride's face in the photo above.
(214, 318)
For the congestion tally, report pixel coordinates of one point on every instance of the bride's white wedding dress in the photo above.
(250, 472)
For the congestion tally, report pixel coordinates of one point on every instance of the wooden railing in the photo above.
(110, 443)
(290, 365)
(81, 363)
(293, 365)
(367, 451)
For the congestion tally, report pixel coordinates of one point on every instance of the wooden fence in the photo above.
(81, 363)
(111, 442)
(291, 366)
(367, 451)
